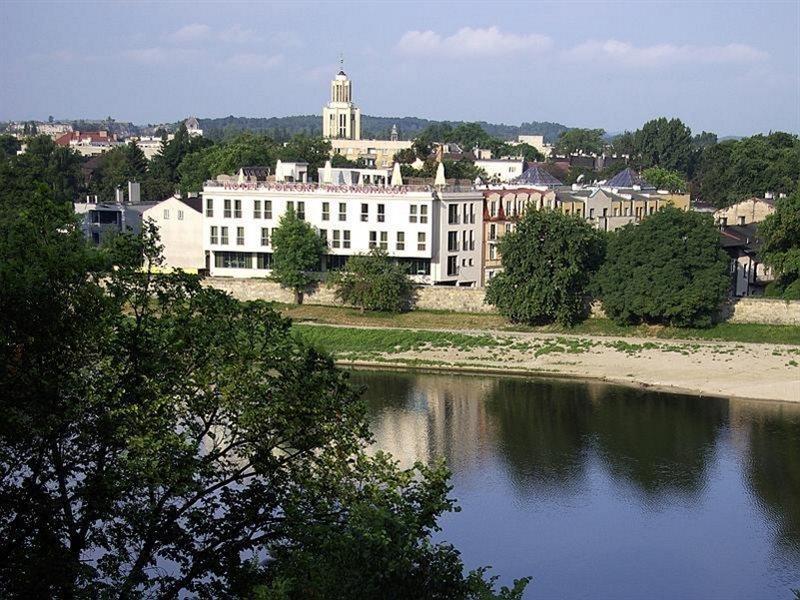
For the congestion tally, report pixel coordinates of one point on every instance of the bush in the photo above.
(548, 263)
(374, 282)
(668, 269)
(781, 250)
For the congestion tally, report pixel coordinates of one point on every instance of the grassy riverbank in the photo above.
(433, 320)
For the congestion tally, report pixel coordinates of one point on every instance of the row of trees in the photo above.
(670, 269)
(160, 438)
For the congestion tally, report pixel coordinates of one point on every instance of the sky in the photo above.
(728, 67)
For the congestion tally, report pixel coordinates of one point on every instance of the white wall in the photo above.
(181, 231)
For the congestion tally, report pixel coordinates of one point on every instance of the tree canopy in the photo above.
(548, 263)
(780, 233)
(374, 282)
(297, 250)
(587, 141)
(669, 269)
(665, 179)
(664, 143)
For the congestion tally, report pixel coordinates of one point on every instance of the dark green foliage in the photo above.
(780, 233)
(668, 269)
(304, 148)
(548, 263)
(159, 438)
(664, 179)
(339, 161)
(8, 146)
(666, 144)
(374, 282)
(587, 141)
(297, 250)
(119, 166)
(43, 162)
(736, 169)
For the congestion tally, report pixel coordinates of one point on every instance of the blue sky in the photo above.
(728, 67)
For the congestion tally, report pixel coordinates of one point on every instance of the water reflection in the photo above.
(699, 470)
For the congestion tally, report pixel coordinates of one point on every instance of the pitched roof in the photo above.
(536, 175)
(740, 236)
(195, 203)
(628, 178)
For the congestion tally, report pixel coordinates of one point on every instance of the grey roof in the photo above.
(536, 175)
(628, 178)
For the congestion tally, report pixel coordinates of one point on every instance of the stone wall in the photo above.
(470, 300)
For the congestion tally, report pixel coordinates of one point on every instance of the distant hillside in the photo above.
(282, 128)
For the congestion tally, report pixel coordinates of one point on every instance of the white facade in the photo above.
(180, 227)
(501, 170)
(435, 233)
(537, 141)
(341, 119)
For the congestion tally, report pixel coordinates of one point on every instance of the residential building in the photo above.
(432, 230)
(501, 211)
(180, 228)
(501, 169)
(376, 153)
(537, 141)
(745, 212)
(100, 219)
(749, 276)
(88, 143)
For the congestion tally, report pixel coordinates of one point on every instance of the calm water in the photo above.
(602, 491)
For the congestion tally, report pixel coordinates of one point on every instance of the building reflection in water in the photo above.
(658, 446)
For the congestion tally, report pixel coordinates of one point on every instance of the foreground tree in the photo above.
(669, 269)
(548, 263)
(160, 438)
(374, 282)
(780, 233)
(297, 251)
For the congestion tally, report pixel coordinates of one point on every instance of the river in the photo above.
(602, 491)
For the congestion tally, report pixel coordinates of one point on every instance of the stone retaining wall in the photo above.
(742, 310)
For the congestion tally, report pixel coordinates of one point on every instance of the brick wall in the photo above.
(743, 310)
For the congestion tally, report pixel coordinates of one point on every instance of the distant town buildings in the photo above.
(88, 143)
(746, 212)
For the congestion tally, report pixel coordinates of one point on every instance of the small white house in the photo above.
(501, 169)
(180, 225)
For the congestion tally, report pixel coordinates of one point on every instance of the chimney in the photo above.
(119, 196)
(134, 192)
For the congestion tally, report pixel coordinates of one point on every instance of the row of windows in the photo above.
(263, 209)
(340, 238)
(380, 239)
(466, 243)
(465, 216)
(263, 260)
(166, 215)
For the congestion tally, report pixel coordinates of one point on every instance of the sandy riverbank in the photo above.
(730, 369)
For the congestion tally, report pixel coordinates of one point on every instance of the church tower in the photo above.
(341, 119)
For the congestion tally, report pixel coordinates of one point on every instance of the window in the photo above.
(381, 213)
(224, 240)
(591, 213)
(336, 238)
(472, 213)
(384, 240)
(401, 241)
(452, 241)
(471, 240)
(335, 262)
(492, 251)
(509, 227)
(263, 260)
(237, 209)
(342, 211)
(233, 260)
(452, 214)
(493, 208)
(326, 211)
(166, 214)
(267, 209)
(423, 213)
(412, 213)
(464, 240)
(421, 241)
(180, 215)
(492, 231)
(364, 212)
(373, 239)
(346, 238)
(290, 206)
(301, 210)
(265, 236)
(214, 236)
(452, 265)
(323, 235)
(256, 209)
(742, 220)
(226, 212)
(240, 236)
(209, 207)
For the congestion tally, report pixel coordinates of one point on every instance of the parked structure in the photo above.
(433, 230)
(180, 228)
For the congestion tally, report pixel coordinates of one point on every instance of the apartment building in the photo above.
(432, 230)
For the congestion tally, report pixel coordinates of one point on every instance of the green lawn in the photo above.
(424, 319)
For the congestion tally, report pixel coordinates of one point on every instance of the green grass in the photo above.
(426, 319)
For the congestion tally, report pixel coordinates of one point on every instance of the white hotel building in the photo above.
(435, 231)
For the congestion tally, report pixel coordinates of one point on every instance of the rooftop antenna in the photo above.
(341, 62)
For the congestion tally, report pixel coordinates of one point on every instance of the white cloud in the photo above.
(189, 33)
(157, 55)
(252, 61)
(470, 43)
(237, 34)
(628, 55)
